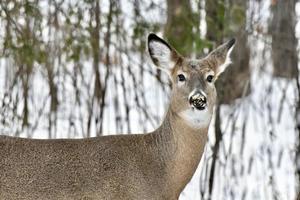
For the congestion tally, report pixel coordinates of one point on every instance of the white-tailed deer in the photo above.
(154, 166)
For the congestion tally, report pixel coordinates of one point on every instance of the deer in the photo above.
(150, 166)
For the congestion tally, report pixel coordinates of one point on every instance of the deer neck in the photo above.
(183, 146)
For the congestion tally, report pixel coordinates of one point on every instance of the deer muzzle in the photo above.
(198, 101)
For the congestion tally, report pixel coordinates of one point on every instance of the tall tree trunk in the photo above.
(215, 20)
(98, 88)
(284, 42)
(180, 24)
(107, 41)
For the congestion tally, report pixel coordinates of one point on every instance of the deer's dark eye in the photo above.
(210, 78)
(181, 77)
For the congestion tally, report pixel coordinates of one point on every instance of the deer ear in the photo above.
(220, 57)
(162, 54)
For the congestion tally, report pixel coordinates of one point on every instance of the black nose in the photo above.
(198, 100)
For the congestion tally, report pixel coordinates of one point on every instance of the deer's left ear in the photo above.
(162, 54)
(220, 57)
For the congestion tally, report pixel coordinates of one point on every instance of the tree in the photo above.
(182, 28)
(284, 42)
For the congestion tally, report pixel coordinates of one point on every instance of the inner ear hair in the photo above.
(153, 37)
(221, 56)
(162, 54)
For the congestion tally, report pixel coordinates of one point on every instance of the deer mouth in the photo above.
(198, 101)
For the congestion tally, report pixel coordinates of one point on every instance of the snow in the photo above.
(257, 167)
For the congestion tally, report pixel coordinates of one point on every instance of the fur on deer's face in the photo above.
(193, 90)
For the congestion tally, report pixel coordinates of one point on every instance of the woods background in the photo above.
(80, 68)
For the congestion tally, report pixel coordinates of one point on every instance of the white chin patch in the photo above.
(196, 118)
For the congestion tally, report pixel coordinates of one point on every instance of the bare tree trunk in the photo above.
(54, 98)
(215, 15)
(216, 147)
(180, 23)
(112, 6)
(26, 63)
(25, 81)
(284, 42)
(95, 43)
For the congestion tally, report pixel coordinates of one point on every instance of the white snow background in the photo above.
(266, 166)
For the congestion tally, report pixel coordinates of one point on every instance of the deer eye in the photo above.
(209, 78)
(181, 77)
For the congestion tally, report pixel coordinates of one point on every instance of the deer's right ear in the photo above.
(162, 54)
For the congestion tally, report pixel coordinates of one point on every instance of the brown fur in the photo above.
(152, 166)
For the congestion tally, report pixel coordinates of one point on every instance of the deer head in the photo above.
(193, 90)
